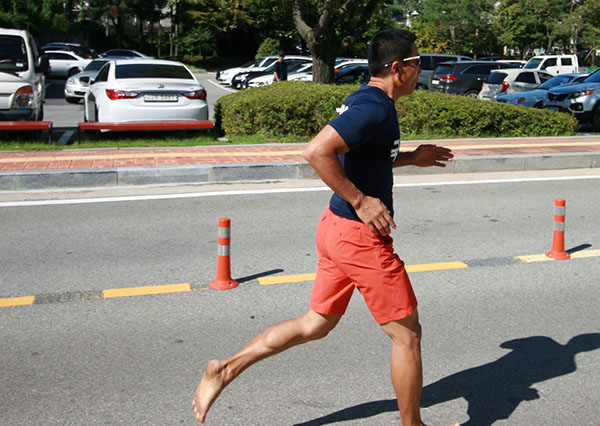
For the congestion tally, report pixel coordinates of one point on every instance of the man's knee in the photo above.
(317, 326)
(405, 332)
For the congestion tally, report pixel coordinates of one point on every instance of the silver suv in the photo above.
(582, 100)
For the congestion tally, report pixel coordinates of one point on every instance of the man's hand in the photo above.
(431, 155)
(372, 212)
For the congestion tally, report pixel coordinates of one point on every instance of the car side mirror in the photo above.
(43, 64)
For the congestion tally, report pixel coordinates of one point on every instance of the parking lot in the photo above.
(66, 115)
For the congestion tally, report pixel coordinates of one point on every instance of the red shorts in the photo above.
(350, 256)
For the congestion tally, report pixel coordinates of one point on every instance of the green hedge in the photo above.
(302, 109)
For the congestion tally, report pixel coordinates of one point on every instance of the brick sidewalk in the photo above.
(274, 153)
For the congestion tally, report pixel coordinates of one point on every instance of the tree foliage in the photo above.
(323, 28)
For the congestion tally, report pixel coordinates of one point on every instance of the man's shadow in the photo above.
(493, 391)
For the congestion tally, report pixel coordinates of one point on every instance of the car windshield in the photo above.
(555, 81)
(13, 54)
(94, 65)
(593, 78)
(152, 71)
(533, 63)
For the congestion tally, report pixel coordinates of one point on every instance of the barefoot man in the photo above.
(354, 155)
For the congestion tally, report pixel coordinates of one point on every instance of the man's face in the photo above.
(411, 71)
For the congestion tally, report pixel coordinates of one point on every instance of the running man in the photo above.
(354, 155)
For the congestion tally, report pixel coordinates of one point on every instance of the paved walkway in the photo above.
(137, 166)
(274, 153)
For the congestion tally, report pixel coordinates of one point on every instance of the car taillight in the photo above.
(448, 78)
(196, 94)
(120, 94)
(504, 86)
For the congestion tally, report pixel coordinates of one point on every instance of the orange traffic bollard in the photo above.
(223, 280)
(558, 241)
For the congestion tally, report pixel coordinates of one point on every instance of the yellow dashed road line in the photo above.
(146, 290)
(6, 302)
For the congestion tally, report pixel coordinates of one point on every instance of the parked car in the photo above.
(430, 61)
(554, 64)
(267, 79)
(22, 82)
(77, 85)
(241, 80)
(144, 90)
(78, 49)
(123, 53)
(511, 81)
(65, 64)
(353, 74)
(581, 99)
(226, 76)
(339, 65)
(464, 78)
(535, 98)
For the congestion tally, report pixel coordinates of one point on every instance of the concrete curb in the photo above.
(210, 173)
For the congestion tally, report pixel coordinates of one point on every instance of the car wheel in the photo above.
(596, 119)
(72, 100)
(471, 93)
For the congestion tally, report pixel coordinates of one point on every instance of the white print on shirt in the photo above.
(341, 109)
(395, 149)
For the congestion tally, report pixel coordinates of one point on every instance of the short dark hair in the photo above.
(388, 46)
(281, 54)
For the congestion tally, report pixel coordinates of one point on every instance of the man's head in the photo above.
(281, 56)
(388, 46)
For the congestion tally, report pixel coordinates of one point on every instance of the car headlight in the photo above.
(581, 93)
(23, 97)
(71, 81)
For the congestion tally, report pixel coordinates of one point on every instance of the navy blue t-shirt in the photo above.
(368, 123)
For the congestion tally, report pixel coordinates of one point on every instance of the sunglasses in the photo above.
(411, 58)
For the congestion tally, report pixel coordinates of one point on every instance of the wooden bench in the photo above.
(146, 125)
(28, 125)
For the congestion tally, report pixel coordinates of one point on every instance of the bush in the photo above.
(269, 46)
(302, 109)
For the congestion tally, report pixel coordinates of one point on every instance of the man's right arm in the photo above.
(322, 154)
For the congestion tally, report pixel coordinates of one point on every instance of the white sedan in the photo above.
(65, 64)
(126, 90)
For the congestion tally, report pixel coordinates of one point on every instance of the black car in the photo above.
(464, 78)
(353, 74)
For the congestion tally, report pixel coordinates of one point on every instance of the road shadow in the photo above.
(494, 390)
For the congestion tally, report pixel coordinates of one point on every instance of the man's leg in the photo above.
(275, 339)
(406, 368)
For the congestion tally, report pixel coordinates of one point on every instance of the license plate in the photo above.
(435, 82)
(160, 98)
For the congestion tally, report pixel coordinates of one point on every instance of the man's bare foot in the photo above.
(212, 383)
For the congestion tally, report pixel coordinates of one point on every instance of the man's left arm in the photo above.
(425, 156)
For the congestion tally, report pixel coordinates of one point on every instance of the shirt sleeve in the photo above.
(359, 123)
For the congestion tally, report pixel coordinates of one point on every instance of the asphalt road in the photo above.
(505, 342)
(64, 114)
